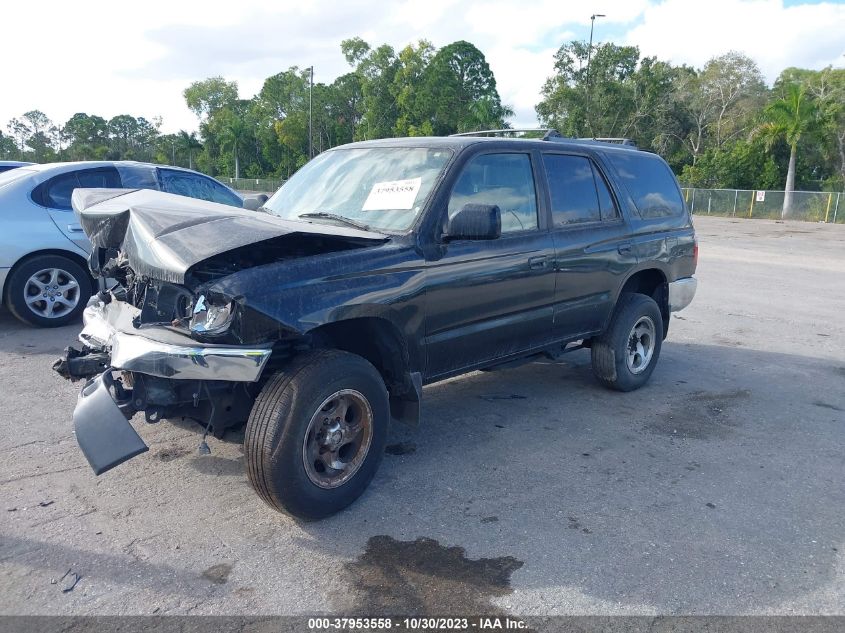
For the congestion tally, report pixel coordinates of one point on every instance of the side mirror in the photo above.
(476, 222)
(253, 203)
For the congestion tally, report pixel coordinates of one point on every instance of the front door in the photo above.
(488, 299)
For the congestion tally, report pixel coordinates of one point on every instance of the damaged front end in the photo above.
(158, 338)
(155, 370)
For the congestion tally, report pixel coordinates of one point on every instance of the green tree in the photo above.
(599, 104)
(35, 130)
(206, 97)
(188, 143)
(376, 70)
(283, 95)
(733, 84)
(741, 164)
(407, 85)
(87, 136)
(8, 148)
(828, 88)
(791, 117)
(233, 134)
(454, 83)
(123, 129)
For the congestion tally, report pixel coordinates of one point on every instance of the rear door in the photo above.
(592, 249)
(55, 194)
(488, 299)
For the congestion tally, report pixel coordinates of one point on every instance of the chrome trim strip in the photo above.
(140, 354)
(681, 292)
(137, 353)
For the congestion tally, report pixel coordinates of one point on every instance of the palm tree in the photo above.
(189, 143)
(789, 117)
(233, 134)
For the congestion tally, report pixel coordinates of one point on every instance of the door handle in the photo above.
(538, 262)
(74, 228)
(625, 248)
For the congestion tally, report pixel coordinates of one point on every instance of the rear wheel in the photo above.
(316, 434)
(625, 355)
(48, 290)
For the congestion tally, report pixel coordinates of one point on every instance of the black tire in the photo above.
(610, 351)
(20, 284)
(275, 439)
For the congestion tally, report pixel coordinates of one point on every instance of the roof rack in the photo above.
(612, 139)
(547, 132)
(551, 134)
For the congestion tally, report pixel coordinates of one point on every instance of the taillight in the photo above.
(695, 254)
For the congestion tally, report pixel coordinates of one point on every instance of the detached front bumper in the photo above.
(160, 351)
(681, 293)
(102, 430)
(105, 404)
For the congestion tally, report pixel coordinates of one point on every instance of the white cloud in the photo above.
(110, 58)
(776, 36)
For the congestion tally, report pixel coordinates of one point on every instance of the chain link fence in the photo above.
(253, 185)
(809, 206)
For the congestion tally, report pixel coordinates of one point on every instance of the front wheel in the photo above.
(625, 355)
(316, 433)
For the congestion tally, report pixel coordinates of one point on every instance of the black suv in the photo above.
(378, 268)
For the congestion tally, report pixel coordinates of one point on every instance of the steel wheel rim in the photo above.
(337, 439)
(641, 343)
(51, 293)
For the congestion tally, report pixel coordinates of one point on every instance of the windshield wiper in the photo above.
(335, 216)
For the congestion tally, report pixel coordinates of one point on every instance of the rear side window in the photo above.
(186, 184)
(56, 192)
(650, 183)
(578, 191)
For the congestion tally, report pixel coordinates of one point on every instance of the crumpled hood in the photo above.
(163, 234)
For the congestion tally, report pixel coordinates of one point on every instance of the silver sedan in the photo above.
(44, 276)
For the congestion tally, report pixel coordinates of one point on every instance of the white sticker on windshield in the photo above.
(393, 194)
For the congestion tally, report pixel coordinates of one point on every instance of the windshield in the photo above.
(13, 174)
(383, 188)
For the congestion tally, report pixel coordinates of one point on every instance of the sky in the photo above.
(109, 58)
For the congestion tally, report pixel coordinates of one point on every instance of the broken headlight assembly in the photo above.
(212, 316)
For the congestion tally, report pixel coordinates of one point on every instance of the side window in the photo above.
(56, 192)
(506, 180)
(572, 187)
(650, 182)
(606, 202)
(185, 184)
(175, 182)
(106, 178)
(221, 194)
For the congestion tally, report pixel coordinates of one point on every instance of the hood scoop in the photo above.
(163, 235)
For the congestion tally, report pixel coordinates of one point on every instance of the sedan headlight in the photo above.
(211, 317)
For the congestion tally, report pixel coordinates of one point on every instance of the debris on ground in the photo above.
(70, 579)
(402, 448)
(490, 397)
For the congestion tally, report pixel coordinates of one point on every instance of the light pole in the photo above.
(310, 134)
(589, 77)
(590, 50)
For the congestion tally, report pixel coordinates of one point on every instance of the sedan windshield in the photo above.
(379, 188)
